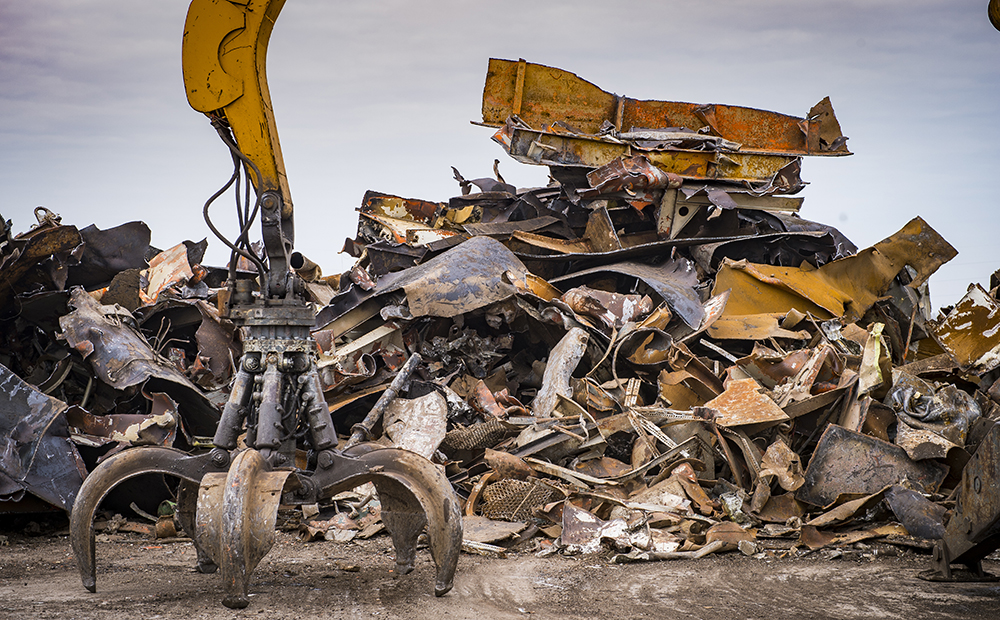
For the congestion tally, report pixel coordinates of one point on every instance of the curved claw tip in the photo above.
(440, 589)
(404, 568)
(91, 587)
(236, 601)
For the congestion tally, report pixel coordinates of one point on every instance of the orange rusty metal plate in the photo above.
(542, 95)
(742, 403)
(399, 208)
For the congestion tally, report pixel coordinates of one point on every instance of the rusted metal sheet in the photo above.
(845, 287)
(463, 279)
(973, 531)
(753, 327)
(399, 208)
(971, 331)
(743, 403)
(30, 251)
(631, 174)
(918, 245)
(847, 462)
(159, 427)
(613, 309)
(542, 96)
(674, 281)
(166, 269)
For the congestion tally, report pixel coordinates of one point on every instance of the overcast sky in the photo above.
(94, 123)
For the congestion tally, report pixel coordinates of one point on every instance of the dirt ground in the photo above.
(145, 578)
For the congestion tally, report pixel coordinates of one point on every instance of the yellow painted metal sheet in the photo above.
(847, 287)
(753, 327)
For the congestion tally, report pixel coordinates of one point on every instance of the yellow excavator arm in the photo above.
(223, 59)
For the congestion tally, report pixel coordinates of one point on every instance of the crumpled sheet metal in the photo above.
(556, 380)
(418, 424)
(36, 454)
(674, 281)
(944, 410)
(463, 279)
(399, 208)
(630, 174)
(918, 245)
(167, 268)
(542, 96)
(530, 146)
(157, 428)
(31, 249)
(121, 357)
(744, 403)
(846, 287)
(753, 327)
(107, 253)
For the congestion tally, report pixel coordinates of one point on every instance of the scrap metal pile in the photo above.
(653, 353)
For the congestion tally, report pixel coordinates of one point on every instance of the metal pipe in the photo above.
(362, 430)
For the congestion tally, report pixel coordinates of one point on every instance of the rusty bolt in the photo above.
(977, 484)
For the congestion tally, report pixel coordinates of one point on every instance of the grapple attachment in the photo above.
(232, 524)
(228, 499)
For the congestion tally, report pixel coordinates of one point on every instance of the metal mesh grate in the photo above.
(485, 435)
(514, 500)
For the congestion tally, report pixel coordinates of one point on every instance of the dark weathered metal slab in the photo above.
(36, 454)
(462, 279)
(849, 462)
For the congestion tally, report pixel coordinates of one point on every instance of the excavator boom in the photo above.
(223, 57)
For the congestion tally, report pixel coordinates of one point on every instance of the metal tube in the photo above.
(362, 430)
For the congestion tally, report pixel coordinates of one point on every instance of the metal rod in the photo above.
(362, 430)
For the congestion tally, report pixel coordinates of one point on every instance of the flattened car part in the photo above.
(462, 279)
